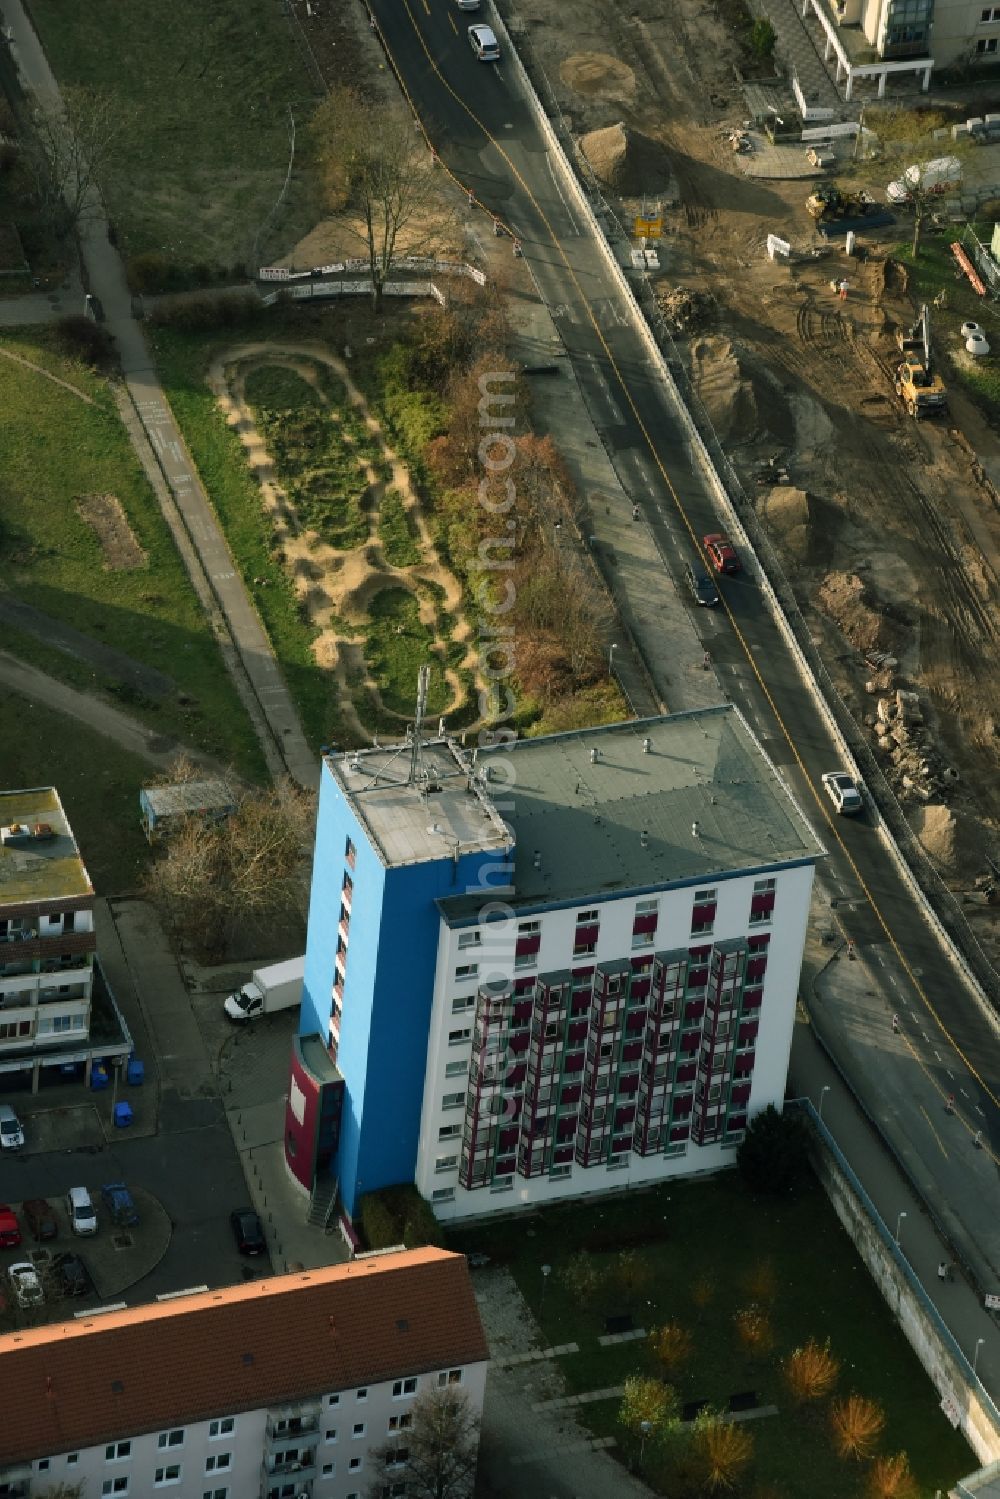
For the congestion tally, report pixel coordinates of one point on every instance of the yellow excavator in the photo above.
(921, 388)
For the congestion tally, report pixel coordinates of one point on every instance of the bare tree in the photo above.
(213, 877)
(810, 1371)
(902, 144)
(375, 160)
(75, 141)
(857, 1424)
(671, 1345)
(891, 1478)
(722, 1453)
(436, 1455)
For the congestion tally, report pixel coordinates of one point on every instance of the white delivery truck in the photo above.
(278, 987)
(935, 176)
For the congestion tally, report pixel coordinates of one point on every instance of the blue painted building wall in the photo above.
(388, 989)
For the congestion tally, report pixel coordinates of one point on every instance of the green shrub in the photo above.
(762, 38)
(377, 1223)
(207, 309)
(153, 272)
(773, 1156)
(79, 337)
(398, 1215)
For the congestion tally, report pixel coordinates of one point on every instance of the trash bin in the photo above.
(123, 1115)
(136, 1073)
(99, 1077)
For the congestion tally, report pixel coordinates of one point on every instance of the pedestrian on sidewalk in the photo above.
(895, 1025)
(843, 289)
(944, 1271)
(949, 1104)
(635, 512)
(978, 1139)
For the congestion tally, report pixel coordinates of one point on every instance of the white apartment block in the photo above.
(279, 1389)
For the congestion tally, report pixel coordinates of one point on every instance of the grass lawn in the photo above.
(182, 361)
(211, 86)
(399, 543)
(789, 1257)
(397, 645)
(98, 783)
(56, 451)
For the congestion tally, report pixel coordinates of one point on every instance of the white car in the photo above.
(484, 43)
(842, 790)
(11, 1129)
(468, 4)
(25, 1284)
(80, 1211)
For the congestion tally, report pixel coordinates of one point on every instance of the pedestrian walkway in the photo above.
(800, 47)
(285, 745)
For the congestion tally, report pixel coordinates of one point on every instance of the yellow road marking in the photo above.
(820, 801)
(451, 18)
(934, 1131)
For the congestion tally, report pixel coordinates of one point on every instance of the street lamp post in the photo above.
(546, 1272)
(611, 659)
(822, 1099)
(899, 1224)
(645, 1427)
(975, 1356)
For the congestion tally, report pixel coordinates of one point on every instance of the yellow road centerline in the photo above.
(934, 1132)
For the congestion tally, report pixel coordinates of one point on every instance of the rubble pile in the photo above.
(916, 768)
(686, 310)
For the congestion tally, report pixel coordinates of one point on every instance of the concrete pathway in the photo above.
(106, 278)
(158, 749)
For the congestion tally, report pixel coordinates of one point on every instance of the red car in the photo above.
(722, 553)
(10, 1233)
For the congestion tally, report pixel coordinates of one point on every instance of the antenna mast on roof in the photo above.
(417, 772)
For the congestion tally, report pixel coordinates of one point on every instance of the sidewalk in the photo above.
(285, 745)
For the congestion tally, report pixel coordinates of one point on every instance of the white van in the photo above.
(928, 176)
(80, 1211)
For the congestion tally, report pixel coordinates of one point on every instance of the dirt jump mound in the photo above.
(626, 160)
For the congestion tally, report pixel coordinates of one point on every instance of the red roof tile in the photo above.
(76, 1384)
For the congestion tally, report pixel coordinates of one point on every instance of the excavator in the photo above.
(829, 203)
(921, 388)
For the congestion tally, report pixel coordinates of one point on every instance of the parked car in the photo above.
(484, 44)
(248, 1231)
(468, 4)
(40, 1218)
(700, 586)
(843, 791)
(80, 1211)
(11, 1130)
(10, 1231)
(722, 554)
(118, 1200)
(71, 1275)
(25, 1284)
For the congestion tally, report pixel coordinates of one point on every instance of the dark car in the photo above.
(118, 1200)
(701, 587)
(722, 554)
(40, 1218)
(247, 1231)
(71, 1275)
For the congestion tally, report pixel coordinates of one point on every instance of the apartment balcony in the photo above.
(277, 1488)
(15, 1481)
(284, 1425)
(301, 1468)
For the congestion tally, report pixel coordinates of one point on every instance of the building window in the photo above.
(164, 1476)
(449, 1131)
(449, 1376)
(333, 1399)
(215, 1494)
(72, 1458)
(986, 44)
(219, 1462)
(584, 949)
(171, 1438)
(992, 13)
(400, 1423)
(115, 1486)
(502, 1184)
(456, 1069)
(556, 1171)
(350, 853)
(443, 1194)
(117, 1452)
(330, 1435)
(222, 1428)
(452, 1100)
(329, 1469)
(361, 1394)
(646, 907)
(466, 970)
(355, 1465)
(404, 1387)
(528, 928)
(469, 939)
(397, 1457)
(462, 1003)
(459, 1038)
(583, 917)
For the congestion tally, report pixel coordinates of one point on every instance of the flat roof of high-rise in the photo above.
(643, 804)
(39, 857)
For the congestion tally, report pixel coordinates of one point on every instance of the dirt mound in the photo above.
(597, 75)
(847, 600)
(786, 513)
(953, 841)
(686, 311)
(728, 398)
(626, 160)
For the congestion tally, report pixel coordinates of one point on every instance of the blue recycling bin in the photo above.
(99, 1077)
(123, 1115)
(136, 1072)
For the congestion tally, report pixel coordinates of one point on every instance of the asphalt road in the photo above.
(484, 132)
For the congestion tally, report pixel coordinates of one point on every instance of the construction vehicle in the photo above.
(829, 202)
(921, 388)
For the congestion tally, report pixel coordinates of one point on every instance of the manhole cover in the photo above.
(122, 1241)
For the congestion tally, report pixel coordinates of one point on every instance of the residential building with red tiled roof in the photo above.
(280, 1388)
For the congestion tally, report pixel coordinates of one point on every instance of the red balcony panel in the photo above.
(700, 954)
(566, 1128)
(631, 1051)
(756, 969)
(518, 1044)
(561, 1155)
(580, 1003)
(694, 1009)
(624, 1116)
(690, 1041)
(583, 973)
(743, 1064)
(629, 1085)
(586, 934)
(697, 978)
(526, 945)
(578, 1030)
(645, 923)
(760, 942)
(521, 1011)
(574, 1062)
(741, 1093)
(640, 990)
(737, 1121)
(687, 1072)
(752, 1000)
(635, 1023)
(763, 904)
(683, 1107)
(621, 1143)
(516, 1075)
(505, 1167)
(571, 1093)
(507, 1138)
(679, 1132)
(748, 1032)
(703, 915)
